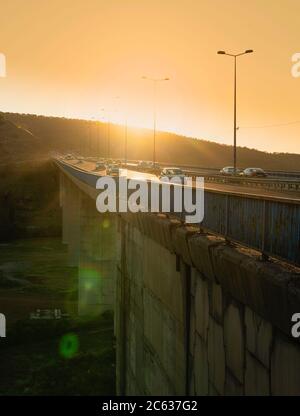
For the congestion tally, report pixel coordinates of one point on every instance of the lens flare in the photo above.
(105, 223)
(69, 345)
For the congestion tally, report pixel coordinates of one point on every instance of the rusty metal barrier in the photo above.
(270, 225)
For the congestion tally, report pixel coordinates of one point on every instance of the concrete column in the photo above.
(61, 190)
(73, 218)
(70, 202)
(64, 202)
(98, 259)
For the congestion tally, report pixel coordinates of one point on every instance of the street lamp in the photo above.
(103, 110)
(155, 81)
(125, 134)
(104, 141)
(97, 145)
(92, 121)
(88, 145)
(109, 127)
(234, 108)
(126, 142)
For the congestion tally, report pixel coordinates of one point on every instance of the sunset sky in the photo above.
(73, 57)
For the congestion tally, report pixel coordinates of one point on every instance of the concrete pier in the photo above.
(193, 315)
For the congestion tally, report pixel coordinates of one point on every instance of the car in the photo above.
(100, 166)
(172, 172)
(112, 170)
(153, 165)
(107, 161)
(229, 171)
(254, 172)
(143, 164)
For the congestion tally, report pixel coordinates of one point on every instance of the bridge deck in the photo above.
(89, 167)
(265, 221)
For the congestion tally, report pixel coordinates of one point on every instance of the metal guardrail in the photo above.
(281, 184)
(268, 224)
(265, 183)
(272, 173)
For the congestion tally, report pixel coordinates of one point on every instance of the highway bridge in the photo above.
(204, 309)
(275, 182)
(268, 221)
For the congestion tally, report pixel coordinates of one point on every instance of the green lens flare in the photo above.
(69, 345)
(106, 223)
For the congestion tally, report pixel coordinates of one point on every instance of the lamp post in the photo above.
(234, 104)
(155, 81)
(98, 138)
(108, 131)
(126, 142)
(93, 120)
(88, 145)
(102, 111)
(125, 134)
(117, 99)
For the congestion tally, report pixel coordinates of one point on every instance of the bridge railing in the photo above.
(268, 224)
(266, 183)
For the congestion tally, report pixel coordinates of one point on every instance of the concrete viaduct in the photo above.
(200, 310)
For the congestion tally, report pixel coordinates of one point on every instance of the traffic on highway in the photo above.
(254, 181)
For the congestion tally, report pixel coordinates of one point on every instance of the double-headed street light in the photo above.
(234, 110)
(155, 81)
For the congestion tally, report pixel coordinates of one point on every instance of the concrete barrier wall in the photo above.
(92, 247)
(97, 259)
(197, 316)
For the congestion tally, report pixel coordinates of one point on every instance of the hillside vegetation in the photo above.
(26, 136)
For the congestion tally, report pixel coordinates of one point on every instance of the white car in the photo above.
(144, 164)
(153, 165)
(229, 171)
(172, 173)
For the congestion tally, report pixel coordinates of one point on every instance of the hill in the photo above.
(18, 144)
(24, 136)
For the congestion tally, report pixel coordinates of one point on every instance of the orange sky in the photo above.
(72, 57)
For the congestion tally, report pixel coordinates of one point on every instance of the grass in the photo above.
(40, 261)
(34, 274)
(36, 359)
(69, 356)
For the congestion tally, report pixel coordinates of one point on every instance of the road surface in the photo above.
(90, 166)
